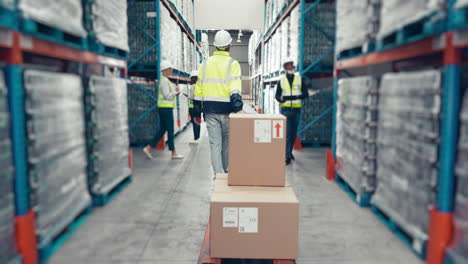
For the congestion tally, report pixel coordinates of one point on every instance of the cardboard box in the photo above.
(253, 222)
(221, 176)
(225, 176)
(257, 150)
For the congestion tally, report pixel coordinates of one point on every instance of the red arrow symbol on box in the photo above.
(278, 127)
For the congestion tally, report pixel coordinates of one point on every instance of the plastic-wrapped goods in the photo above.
(66, 15)
(7, 210)
(407, 156)
(276, 50)
(356, 23)
(143, 14)
(268, 15)
(294, 33)
(171, 38)
(56, 150)
(8, 4)
(461, 4)
(142, 112)
(397, 13)
(284, 39)
(109, 164)
(110, 23)
(357, 132)
(458, 251)
(412, 102)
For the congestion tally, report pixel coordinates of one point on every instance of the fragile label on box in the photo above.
(262, 131)
(230, 216)
(248, 220)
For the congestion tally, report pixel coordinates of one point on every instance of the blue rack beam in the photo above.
(316, 66)
(423, 47)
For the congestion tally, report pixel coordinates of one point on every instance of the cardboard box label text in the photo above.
(230, 216)
(248, 220)
(262, 131)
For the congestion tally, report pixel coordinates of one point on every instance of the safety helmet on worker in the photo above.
(288, 60)
(194, 73)
(165, 64)
(222, 39)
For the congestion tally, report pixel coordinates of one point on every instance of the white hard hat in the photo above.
(288, 60)
(222, 39)
(194, 73)
(165, 64)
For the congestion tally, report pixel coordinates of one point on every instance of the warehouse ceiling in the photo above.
(229, 14)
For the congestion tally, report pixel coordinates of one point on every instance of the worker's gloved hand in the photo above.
(197, 120)
(177, 90)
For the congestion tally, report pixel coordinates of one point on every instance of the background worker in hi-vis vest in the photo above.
(166, 103)
(190, 95)
(217, 94)
(289, 93)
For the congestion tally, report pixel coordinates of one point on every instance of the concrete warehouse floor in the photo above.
(161, 217)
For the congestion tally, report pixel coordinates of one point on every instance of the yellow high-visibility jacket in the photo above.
(219, 84)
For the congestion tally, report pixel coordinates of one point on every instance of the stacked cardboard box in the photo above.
(254, 213)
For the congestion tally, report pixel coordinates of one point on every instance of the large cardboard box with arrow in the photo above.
(257, 145)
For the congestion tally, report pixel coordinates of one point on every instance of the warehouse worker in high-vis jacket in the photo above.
(166, 103)
(217, 94)
(190, 94)
(289, 93)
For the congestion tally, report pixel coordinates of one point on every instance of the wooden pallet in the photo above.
(204, 257)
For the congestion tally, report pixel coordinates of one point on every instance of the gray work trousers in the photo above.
(218, 133)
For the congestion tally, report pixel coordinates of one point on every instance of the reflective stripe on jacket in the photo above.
(162, 101)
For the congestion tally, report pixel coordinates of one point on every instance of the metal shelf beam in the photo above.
(412, 50)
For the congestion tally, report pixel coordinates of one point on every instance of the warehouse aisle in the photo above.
(161, 217)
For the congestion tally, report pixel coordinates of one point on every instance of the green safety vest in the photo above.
(163, 102)
(295, 90)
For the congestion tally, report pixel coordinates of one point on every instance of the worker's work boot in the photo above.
(194, 142)
(288, 161)
(147, 151)
(292, 157)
